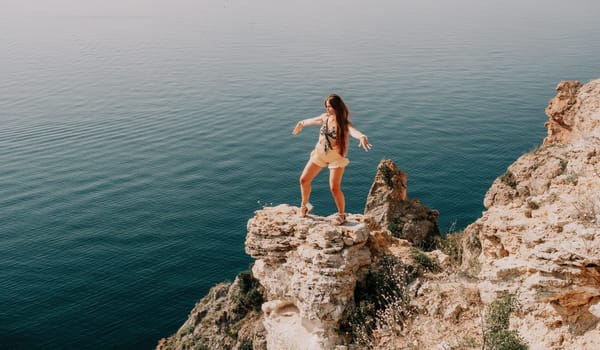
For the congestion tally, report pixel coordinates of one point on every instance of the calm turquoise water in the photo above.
(133, 150)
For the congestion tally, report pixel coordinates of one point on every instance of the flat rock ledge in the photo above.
(309, 269)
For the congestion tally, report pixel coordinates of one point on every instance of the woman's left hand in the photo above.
(298, 128)
(364, 143)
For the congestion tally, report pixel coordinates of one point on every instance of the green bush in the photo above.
(246, 345)
(509, 179)
(395, 229)
(497, 336)
(504, 340)
(423, 261)
(388, 175)
(249, 297)
(467, 343)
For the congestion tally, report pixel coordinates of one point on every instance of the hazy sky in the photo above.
(104, 7)
(210, 8)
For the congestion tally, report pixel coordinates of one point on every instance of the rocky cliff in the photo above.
(527, 273)
(306, 273)
(309, 269)
(540, 235)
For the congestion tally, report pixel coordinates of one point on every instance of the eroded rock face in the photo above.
(540, 236)
(574, 113)
(388, 206)
(221, 320)
(309, 269)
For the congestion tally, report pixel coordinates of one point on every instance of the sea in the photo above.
(134, 148)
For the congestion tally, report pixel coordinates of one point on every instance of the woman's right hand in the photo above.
(298, 128)
(364, 143)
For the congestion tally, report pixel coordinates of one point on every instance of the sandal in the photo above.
(340, 219)
(305, 209)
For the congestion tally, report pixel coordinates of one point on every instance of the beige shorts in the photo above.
(331, 159)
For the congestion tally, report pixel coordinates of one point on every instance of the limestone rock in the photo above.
(309, 269)
(388, 207)
(540, 237)
(595, 310)
(448, 312)
(219, 321)
(559, 110)
(574, 113)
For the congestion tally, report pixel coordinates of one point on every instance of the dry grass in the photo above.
(587, 208)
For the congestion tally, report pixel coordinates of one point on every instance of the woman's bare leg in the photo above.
(310, 171)
(335, 185)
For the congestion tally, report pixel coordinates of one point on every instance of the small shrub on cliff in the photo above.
(496, 335)
(246, 345)
(509, 179)
(388, 175)
(423, 261)
(587, 208)
(533, 205)
(451, 246)
(249, 297)
(563, 165)
(187, 330)
(395, 229)
(467, 343)
(381, 301)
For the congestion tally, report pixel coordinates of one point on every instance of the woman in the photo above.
(330, 151)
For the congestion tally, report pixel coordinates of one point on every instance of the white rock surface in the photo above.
(309, 269)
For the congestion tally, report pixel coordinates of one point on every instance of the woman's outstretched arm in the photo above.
(363, 139)
(307, 122)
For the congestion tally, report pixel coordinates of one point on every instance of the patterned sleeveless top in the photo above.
(329, 135)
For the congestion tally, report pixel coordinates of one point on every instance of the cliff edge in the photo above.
(301, 291)
(524, 275)
(540, 235)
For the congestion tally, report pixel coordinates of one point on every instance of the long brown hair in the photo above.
(342, 118)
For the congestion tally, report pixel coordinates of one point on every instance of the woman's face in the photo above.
(329, 109)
